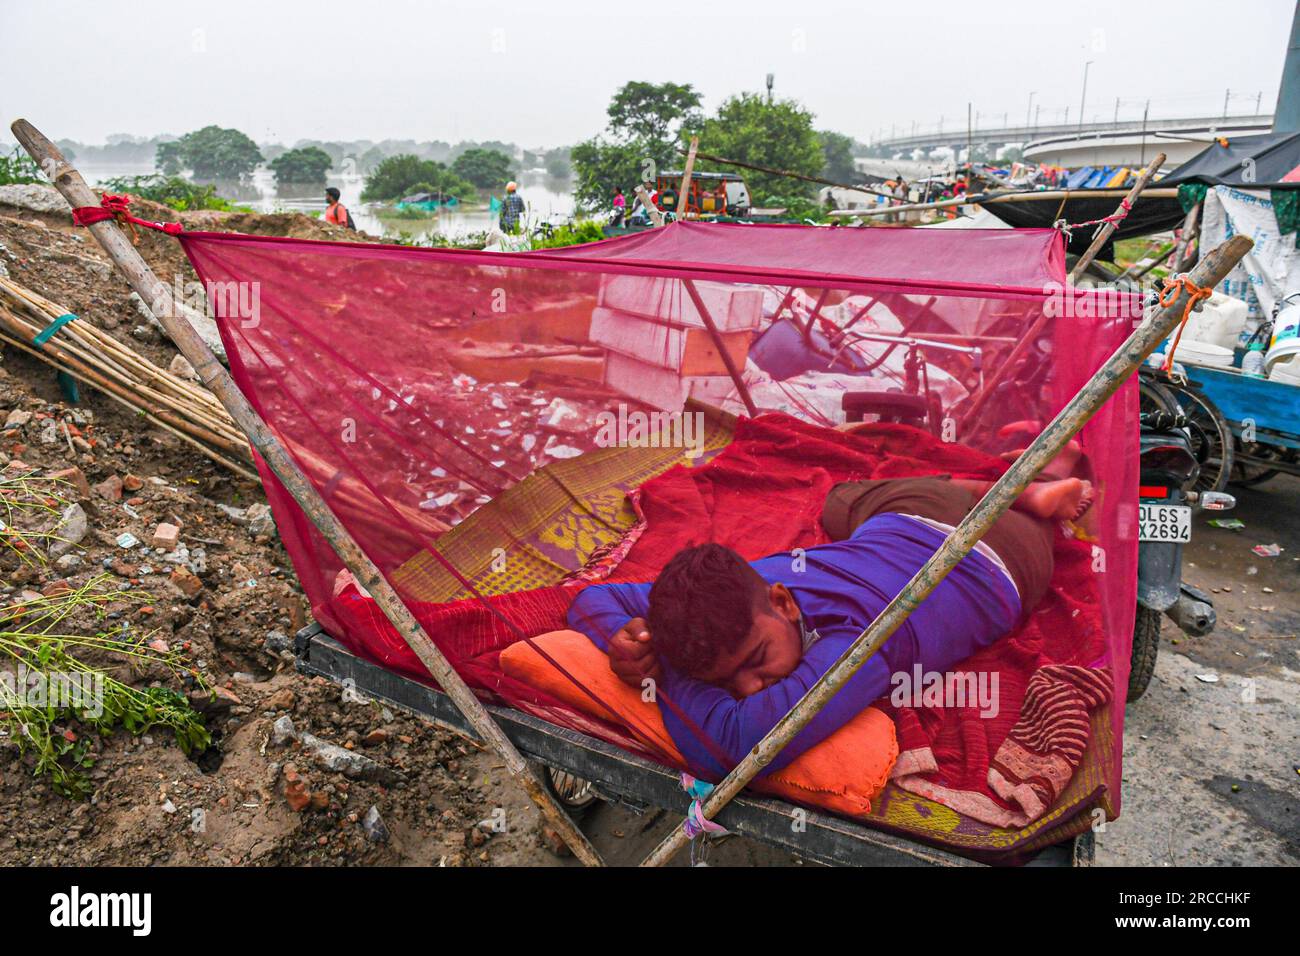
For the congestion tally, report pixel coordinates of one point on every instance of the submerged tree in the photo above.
(485, 168)
(306, 165)
(210, 153)
(397, 176)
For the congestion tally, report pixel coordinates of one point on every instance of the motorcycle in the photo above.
(1170, 468)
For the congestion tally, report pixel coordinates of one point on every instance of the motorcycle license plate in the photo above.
(1170, 523)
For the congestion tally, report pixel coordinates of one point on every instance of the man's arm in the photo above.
(601, 610)
(736, 725)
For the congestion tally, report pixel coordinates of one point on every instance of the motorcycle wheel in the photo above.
(1212, 439)
(1146, 645)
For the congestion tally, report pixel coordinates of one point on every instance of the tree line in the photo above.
(649, 125)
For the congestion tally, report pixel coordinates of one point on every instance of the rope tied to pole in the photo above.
(114, 206)
(1175, 286)
(1118, 216)
(696, 822)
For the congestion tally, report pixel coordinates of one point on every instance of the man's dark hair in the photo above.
(332, 192)
(703, 602)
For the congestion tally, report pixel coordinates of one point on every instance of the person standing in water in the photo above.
(512, 210)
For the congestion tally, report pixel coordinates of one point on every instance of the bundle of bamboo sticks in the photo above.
(184, 408)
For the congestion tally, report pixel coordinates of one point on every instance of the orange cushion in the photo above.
(843, 773)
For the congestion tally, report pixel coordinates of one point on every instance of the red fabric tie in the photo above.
(113, 206)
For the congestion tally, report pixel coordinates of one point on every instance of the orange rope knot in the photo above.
(1174, 287)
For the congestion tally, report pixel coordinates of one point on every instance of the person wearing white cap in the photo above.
(512, 210)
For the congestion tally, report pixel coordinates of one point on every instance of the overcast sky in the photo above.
(541, 73)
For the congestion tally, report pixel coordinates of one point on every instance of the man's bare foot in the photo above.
(1067, 499)
(1062, 466)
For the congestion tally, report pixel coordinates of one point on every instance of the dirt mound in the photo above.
(256, 796)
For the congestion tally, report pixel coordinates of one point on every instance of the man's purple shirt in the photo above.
(840, 588)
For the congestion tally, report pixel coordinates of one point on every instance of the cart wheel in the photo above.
(1212, 439)
(1146, 645)
(576, 795)
(1250, 475)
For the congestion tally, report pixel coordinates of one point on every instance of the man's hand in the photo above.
(631, 655)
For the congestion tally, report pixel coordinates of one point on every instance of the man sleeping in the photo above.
(733, 645)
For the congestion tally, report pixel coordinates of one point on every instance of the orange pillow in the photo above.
(843, 773)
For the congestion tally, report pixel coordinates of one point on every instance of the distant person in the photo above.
(620, 208)
(512, 210)
(335, 211)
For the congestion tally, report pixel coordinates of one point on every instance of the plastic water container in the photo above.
(1203, 353)
(1252, 363)
(1284, 347)
(1220, 321)
(1288, 373)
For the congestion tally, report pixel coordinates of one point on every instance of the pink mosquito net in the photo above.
(484, 423)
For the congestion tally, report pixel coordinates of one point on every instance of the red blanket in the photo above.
(764, 494)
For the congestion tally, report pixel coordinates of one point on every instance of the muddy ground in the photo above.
(1211, 774)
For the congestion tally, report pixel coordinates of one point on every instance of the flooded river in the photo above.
(549, 199)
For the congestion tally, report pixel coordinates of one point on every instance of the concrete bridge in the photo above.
(1073, 142)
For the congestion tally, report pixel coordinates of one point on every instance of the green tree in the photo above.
(776, 134)
(396, 176)
(646, 122)
(307, 165)
(653, 112)
(485, 168)
(167, 158)
(210, 153)
(558, 162)
(837, 153)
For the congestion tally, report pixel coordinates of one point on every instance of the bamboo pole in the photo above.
(211, 373)
(721, 346)
(1108, 228)
(656, 215)
(1126, 359)
(1031, 334)
(684, 193)
(1191, 230)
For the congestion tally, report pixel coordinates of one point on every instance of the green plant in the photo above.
(570, 234)
(796, 207)
(61, 676)
(176, 192)
(18, 167)
(31, 507)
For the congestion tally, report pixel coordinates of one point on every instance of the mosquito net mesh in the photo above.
(499, 429)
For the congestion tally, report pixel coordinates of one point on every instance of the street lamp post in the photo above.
(1084, 97)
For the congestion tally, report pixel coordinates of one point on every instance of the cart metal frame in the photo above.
(623, 777)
